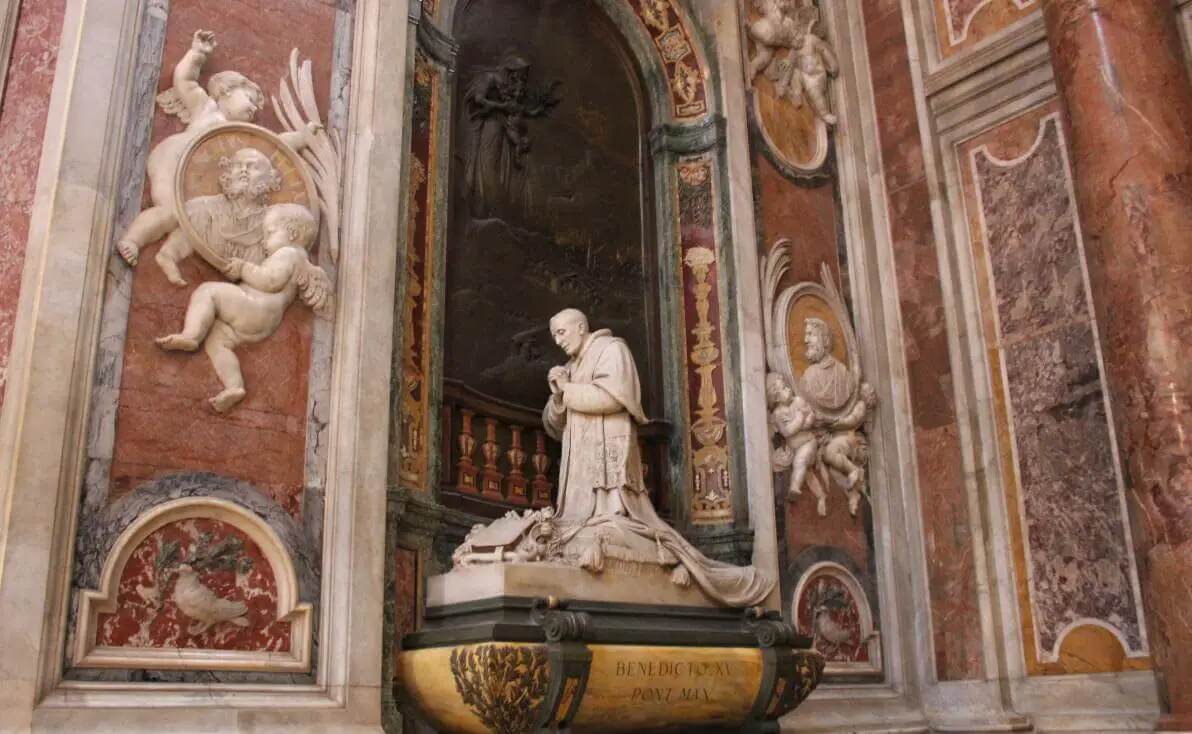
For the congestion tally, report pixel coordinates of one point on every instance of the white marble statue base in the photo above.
(619, 582)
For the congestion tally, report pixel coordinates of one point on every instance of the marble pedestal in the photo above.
(535, 648)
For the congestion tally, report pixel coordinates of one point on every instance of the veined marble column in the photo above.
(1128, 111)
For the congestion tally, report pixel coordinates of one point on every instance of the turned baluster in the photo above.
(541, 485)
(465, 468)
(491, 477)
(515, 483)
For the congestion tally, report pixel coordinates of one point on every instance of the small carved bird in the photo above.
(828, 630)
(202, 605)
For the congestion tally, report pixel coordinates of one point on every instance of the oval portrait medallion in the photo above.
(226, 179)
(796, 139)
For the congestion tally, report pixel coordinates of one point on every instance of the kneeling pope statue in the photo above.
(604, 511)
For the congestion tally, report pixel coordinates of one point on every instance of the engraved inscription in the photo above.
(688, 680)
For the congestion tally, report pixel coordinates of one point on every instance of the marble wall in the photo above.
(798, 201)
(164, 423)
(963, 24)
(947, 517)
(22, 126)
(152, 429)
(1075, 567)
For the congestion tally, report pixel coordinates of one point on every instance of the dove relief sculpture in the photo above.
(203, 605)
(247, 200)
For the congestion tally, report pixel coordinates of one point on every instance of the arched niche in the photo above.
(452, 439)
(550, 206)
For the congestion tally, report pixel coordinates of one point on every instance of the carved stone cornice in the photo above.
(701, 136)
(440, 47)
(416, 518)
(726, 543)
(771, 630)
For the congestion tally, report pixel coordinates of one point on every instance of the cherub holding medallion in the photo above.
(247, 200)
(229, 97)
(817, 400)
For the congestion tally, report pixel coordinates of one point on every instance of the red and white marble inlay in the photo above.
(226, 562)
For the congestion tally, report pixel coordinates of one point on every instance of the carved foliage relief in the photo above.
(688, 88)
(410, 451)
(704, 349)
(1070, 535)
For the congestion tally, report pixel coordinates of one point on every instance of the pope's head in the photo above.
(817, 340)
(568, 328)
(248, 174)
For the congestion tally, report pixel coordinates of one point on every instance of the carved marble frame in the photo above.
(780, 350)
(103, 600)
(42, 449)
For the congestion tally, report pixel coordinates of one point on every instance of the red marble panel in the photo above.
(950, 563)
(164, 423)
(698, 260)
(22, 128)
(894, 94)
(807, 216)
(838, 529)
(407, 586)
(962, 24)
(947, 523)
(184, 569)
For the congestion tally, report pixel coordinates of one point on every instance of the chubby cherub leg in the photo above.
(817, 484)
(175, 248)
(839, 460)
(148, 227)
(765, 55)
(817, 95)
(804, 456)
(221, 343)
(854, 501)
(200, 315)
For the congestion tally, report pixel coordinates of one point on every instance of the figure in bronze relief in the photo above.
(499, 102)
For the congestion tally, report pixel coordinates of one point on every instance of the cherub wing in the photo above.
(773, 267)
(171, 103)
(296, 110)
(315, 289)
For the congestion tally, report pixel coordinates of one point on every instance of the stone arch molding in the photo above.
(669, 53)
(277, 628)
